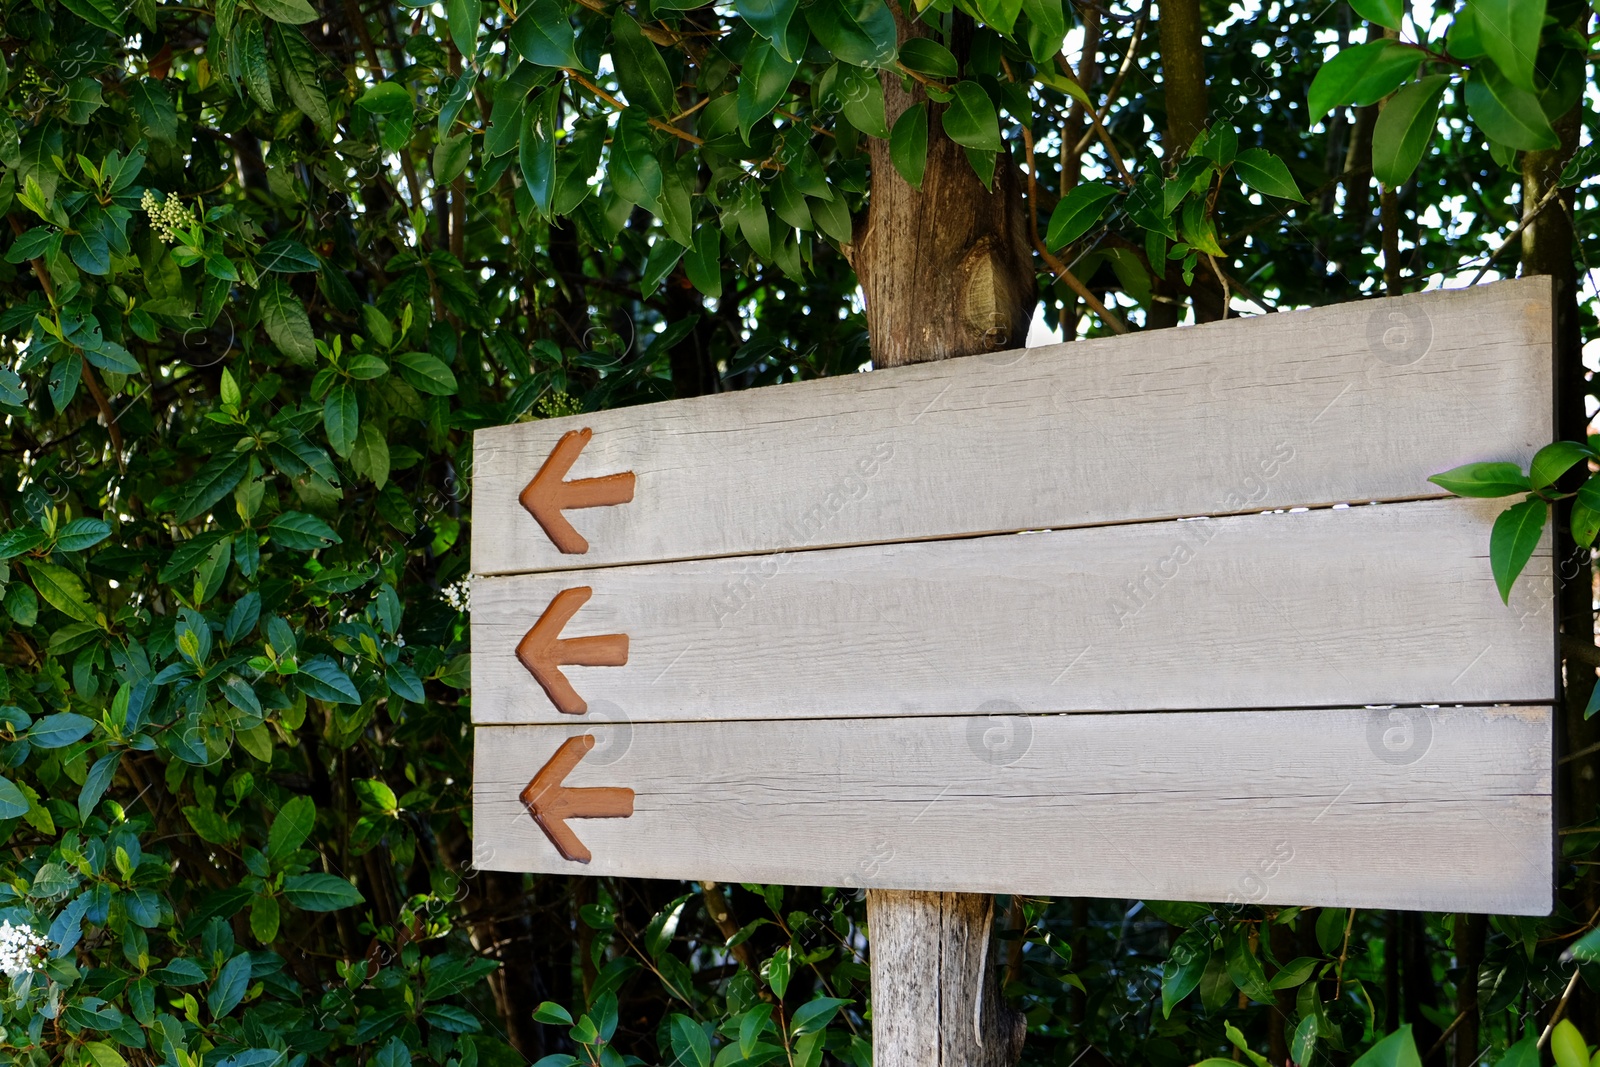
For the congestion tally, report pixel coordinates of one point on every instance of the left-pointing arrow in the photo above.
(544, 651)
(551, 804)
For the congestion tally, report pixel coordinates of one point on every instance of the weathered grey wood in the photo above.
(1392, 603)
(1351, 402)
(935, 993)
(1441, 809)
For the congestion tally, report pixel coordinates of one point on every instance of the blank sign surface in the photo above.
(1176, 615)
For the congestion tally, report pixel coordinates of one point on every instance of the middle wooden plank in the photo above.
(1383, 604)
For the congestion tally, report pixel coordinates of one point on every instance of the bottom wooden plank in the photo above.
(1444, 809)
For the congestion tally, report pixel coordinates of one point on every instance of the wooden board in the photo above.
(1091, 620)
(1392, 603)
(1443, 809)
(1351, 402)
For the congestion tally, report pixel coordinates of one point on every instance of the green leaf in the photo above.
(323, 679)
(1506, 114)
(297, 70)
(1295, 973)
(1513, 540)
(1403, 129)
(927, 56)
(426, 373)
(1399, 1049)
(286, 322)
(291, 827)
(703, 264)
(299, 531)
(1585, 523)
(13, 802)
(287, 257)
(635, 171)
(96, 782)
(213, 482)
(1047, 27)
(970, 120)
(908, 144)
(1184, 966)
(464, 16)
(106, 14)
(1244, 969)
(103, 1055)
(1525, 1053)
(855, 31)
(1236, 1036)
(863, 101)
(59, 730)
(450, 157)
(833, 218)
(404, 683)
(815, 1015)
(769, 18)
(543, 35)
(1483, 480)
(1554, 460)
(386, 98)
(265, 915)
(641, 72)
(536, 150)
(250, 46)
(230, 987)
(22, 604)
(690, 1043)
(1266, 174)
(80, 534)
(61, 589)
(1386, 13)
(14, 543)
(663, 256)
(1508, 31)
(341, 417)
(294, 12)
(370, 456)
(1076, 212)
(1567, 1046)
(765, 80)
(1303, 1044)
(752, 1025)
(1361, 75)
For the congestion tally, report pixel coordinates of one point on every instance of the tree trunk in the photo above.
(935, 998)
(1470, 933)
(1183, 73)
(947, 270)
(1187, 98)
(1547, 248)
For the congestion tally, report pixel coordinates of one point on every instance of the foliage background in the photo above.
(268, 266)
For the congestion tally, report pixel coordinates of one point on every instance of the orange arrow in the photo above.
(551, 804)
(544, 651)
(548, 495)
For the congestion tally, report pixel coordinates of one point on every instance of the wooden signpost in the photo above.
(1176, 615)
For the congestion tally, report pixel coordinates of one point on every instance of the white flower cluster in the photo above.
(169, 219)
(21, 950)
(458, 595)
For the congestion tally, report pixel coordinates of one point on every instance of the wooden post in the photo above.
(946, 271)
(935, 997)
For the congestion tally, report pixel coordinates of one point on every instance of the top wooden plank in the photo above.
(1368, 399)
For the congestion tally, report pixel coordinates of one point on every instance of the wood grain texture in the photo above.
(935, 991)
(1428, 809)
(1393, 603)
(1368, 398)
